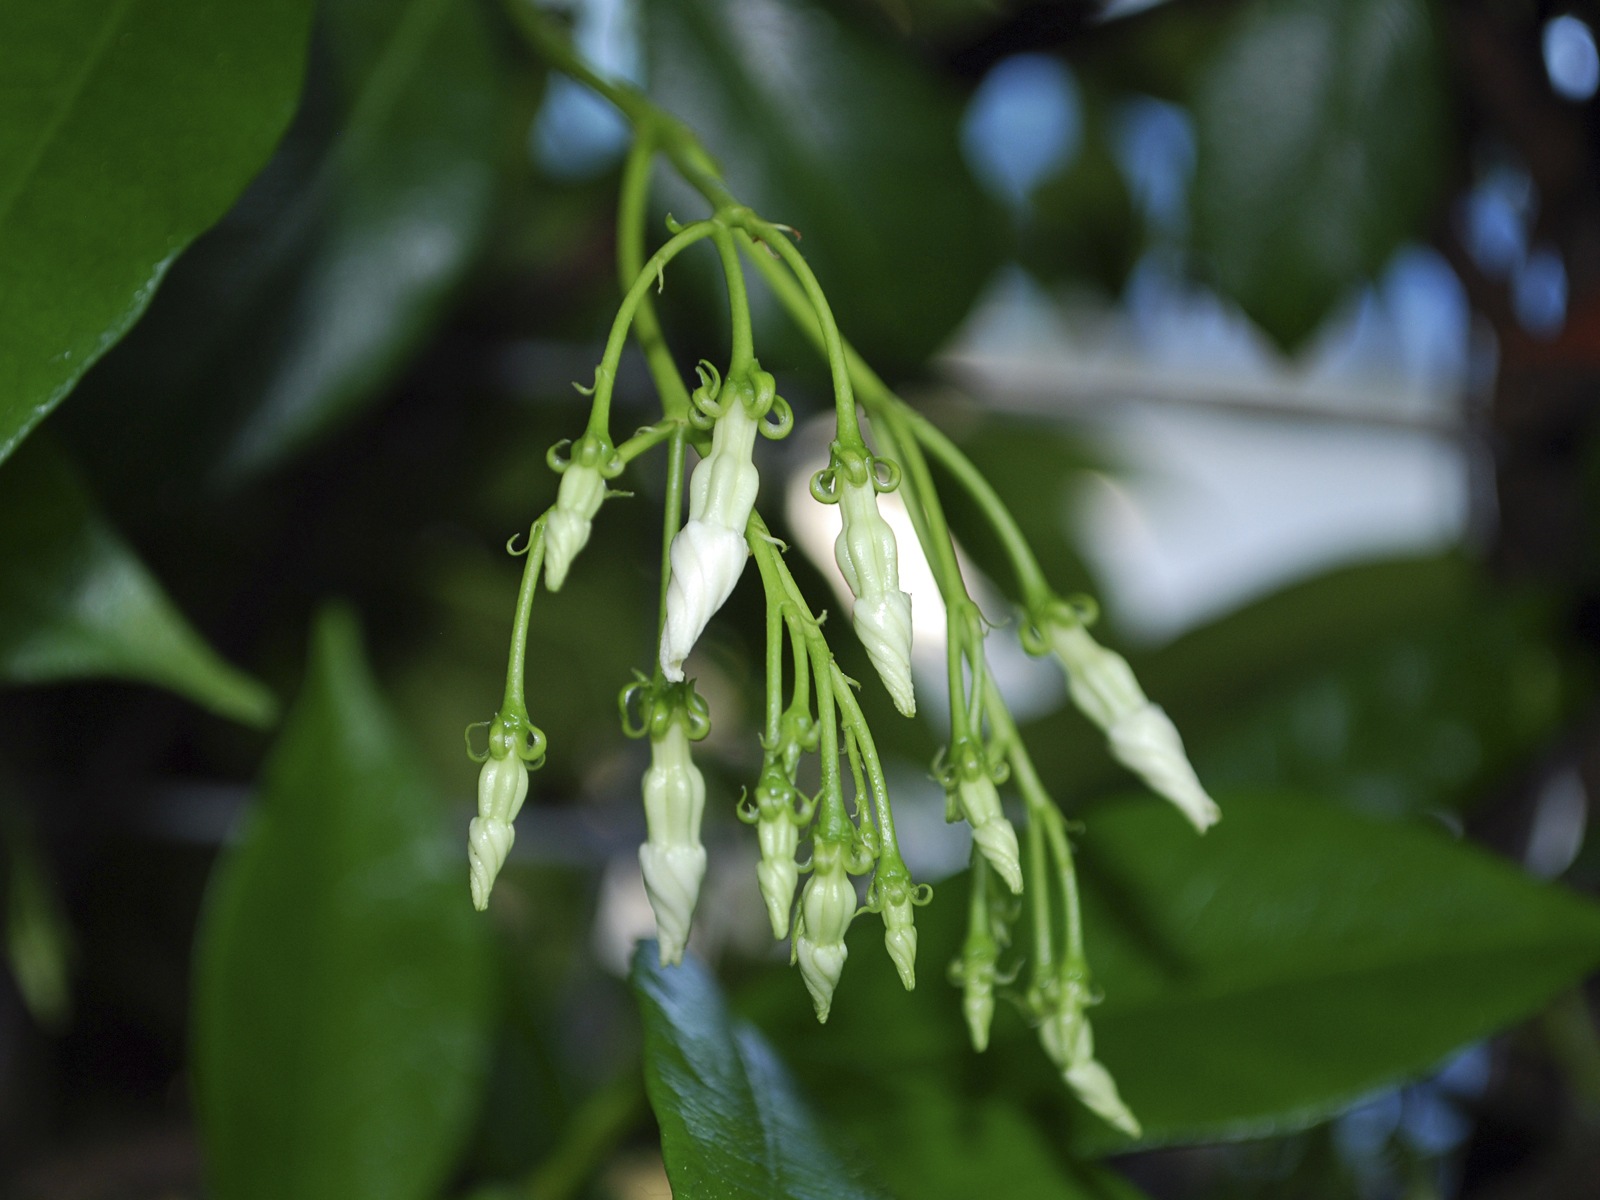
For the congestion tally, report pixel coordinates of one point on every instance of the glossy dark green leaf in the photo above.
(76, 603)
(295, 312)
(1321, 140)
(732, 1124)
(1268, 974)
(1395, 686)
(129, 126)
(836, 133)
(342, 997)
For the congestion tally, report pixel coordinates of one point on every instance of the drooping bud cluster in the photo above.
(672, 858)
(1140, 734)
(578, 499)
(709, 552)
(1065, 1034)
(868, 558)
(515, 747)
(970, 794)
(827, 906)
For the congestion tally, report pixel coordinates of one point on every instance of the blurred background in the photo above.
(1276, 321)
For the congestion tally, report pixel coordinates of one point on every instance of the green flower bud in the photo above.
(502, 787)
(1068, 1040)
(971, 793)
(900, 935)
(827, 907)
(1140, 735)
(672, 859)
(868, 558)
(566, 529)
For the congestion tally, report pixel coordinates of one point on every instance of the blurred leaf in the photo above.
(1321, 137)
(1267, 975)
(38, 940)
(76, 603)
(128, 128)
(342, 993)
(394, 209)
(732, 1124)
(1082, 225)
(1395, 686)
(855, 145)
(296, 311)
(934, 1144)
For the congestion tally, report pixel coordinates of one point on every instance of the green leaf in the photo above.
(342, 994)
(1321, 136)
(1294, 959)
(129, 127)
(76, 603)
(732, 1124)
(1082, 225)
(297, 310)
(848, 140)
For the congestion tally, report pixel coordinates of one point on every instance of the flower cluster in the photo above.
(831, 855)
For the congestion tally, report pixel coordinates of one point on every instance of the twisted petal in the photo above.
(502, 787)
(488, 843)
(707, 561)
(672, 876)
(993, 834)
(777, 871)
(566, 530)
(883, 623)
(1147, 743)
(900, 940)
(821, 964)
(1069, 1041)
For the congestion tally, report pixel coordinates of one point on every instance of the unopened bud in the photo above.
(1069, 1041)
(777, 871)
(979, 802)
(900, 935)
(1141, 736)
(709, 552)
(827, 907)
(868, 558)
(672, 859)
(502, 787)
(566, 529)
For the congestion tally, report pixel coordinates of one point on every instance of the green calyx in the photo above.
(854, 466)
(755, 390)
(648, 708)
(510, 733)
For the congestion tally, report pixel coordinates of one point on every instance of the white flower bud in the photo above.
(868, 558)
(1141, 736)
(977, 999)
(900, 938)
(777, 871)
(707, 561)
(566, 529)
(708, 553)
(826, 909)
(1068, 1040)
(502, 787)
(672, 859)
(979, 802)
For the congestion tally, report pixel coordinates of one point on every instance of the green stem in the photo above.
(631, 212)
(516, 668)
(743, 349)
(647, 438)
(775, 608)
(669, 526)
(606, 373)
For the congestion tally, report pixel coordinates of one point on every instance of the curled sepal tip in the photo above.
(502, 787)
(827, 907)
(1139, 734)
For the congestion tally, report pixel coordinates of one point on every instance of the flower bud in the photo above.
(1141, 736)
(978, 801)
(672, 859)
(900, 935)
(977, 998)
(1068, 1040)
(826, 909)
(868, 558)
(707, 561)
(777, 871)
(709, 552)
(566, 529)
(502, 787)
